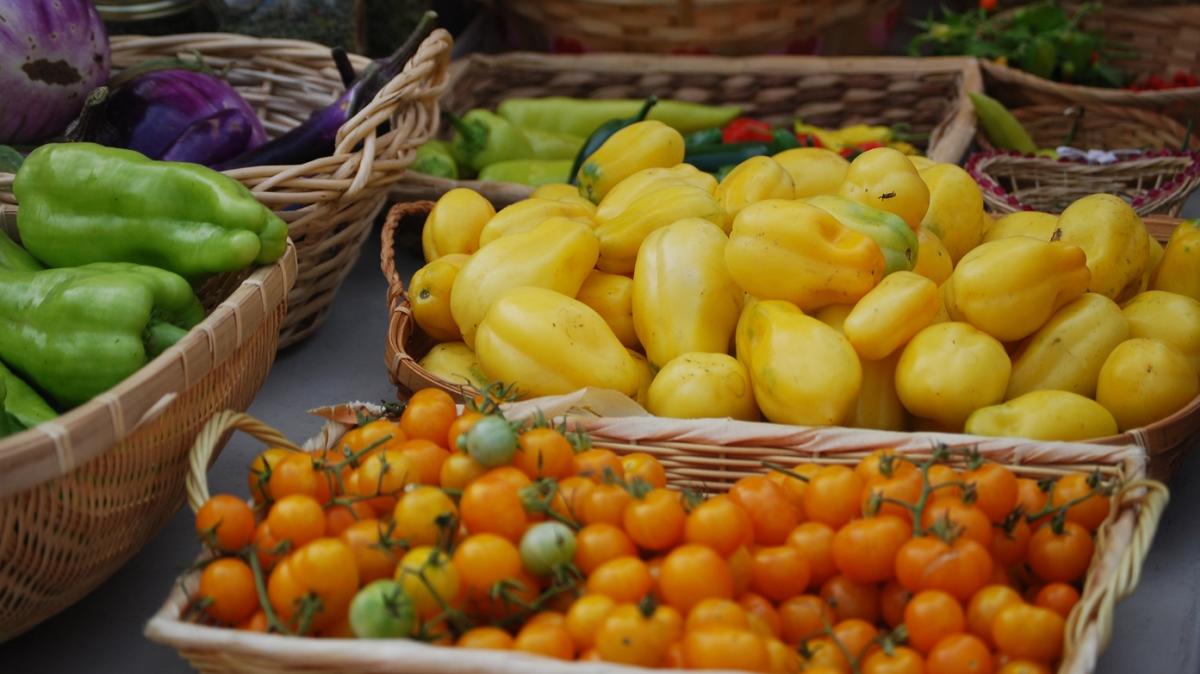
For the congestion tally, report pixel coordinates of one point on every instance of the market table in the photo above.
(1160, 624)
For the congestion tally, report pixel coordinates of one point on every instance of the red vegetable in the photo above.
(745, 130)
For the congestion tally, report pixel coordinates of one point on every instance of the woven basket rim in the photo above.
(1093, 111)
(1085, 94)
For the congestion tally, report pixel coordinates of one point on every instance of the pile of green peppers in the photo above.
(112, 244)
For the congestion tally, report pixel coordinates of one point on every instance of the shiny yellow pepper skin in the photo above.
(955, 212)
(933, 260)
(564, 192)
(429, 296)
(893, 312)
(878, 406)
(702, 386)
(884, 178)
(1152, 260)
(618, 200)
(524, 215)
(454, 223)
(684, 299)
(611, 296)
(1114, 239)
(642, 145)
(1144, 381)
(1044, 415)
(896, 241)
(1067, 352)
(645, 377)
(621, 237)
(558, 254)
(1179, 269)
(756, 179)
(456, 363)
(949, 370)
(1009, 288)
(814, 170)
(788, 250)
(1034, 224)
(546, 343)
(803, 371)
(1170, 318)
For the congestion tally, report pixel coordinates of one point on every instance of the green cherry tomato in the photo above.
(382, 610)
(546, 546)
(491, 442)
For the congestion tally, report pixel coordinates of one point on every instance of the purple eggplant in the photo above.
(317, 136)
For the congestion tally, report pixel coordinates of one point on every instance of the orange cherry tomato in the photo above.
(1009, 547)
(1031, 498)
(721, 524)
(423, 515)
(1061, 557)
(834, 496)
(597, 463)
(225, 522)
(629, 636)
(865, 550)
(459, 470)
(374, 553)
(261, 469)
(985, 605)
(493, 506)
(298, 519)
(596, 544)
(771, 513)
(902, 660)
(384, 475)
(930, 616)
(1027, 632)
(725, 648)
(762, 614)
(804, 617)
(995, 490)
(544, 452)
(941, 479)
(815, 541)
(885, 464)
(256, 623)
(823, 653)
(1093, 507)
(545, 639)
(482, 560)
(655, 521)
(849, 599)
(856, 636)
(928, 563)
(1058, 597)
(892, 600)
(714, 612)
(779, 572)
(691, 573)
(460, 426)
(605, 503)
(492, 638)
(894, 495)
(644, 467)
(426, 458)
(568, 499)
(1022, 667)
(339, 517)
(968, 519)
(429, 414)
(585, 617)
(783, 659)
(794, 487)
(376, 436)
(959, 654)
(624, 579)
(227, 588)
(294, 474)
(741, 569)
(267, 546)
(326, 568)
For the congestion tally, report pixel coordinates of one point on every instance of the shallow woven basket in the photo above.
(1165, 441)
(331, 203)
(1158, 181)
(1162, 41)
(929, 94)
(706, 455)
(82, 494)
(1102, 127)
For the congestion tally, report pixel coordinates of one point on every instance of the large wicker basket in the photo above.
(331, 203)
(1165, 441)
(1103, 127)
(82, 494)
(930, 94)
(706, 455)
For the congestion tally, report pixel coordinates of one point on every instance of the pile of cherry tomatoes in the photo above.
(467, 530)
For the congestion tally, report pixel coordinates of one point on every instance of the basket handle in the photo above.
(387, 258)
(212, 437)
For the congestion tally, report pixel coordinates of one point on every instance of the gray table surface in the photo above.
(344, 361)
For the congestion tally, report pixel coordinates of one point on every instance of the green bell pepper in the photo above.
(82, 203)
(434, 158)
(78, 331)
(702, 138)
(889, 231)
(482, 137)
(581, 117)
(551, 145)
(14, 257)
(531, 172)
(8, 424)
(22, 406)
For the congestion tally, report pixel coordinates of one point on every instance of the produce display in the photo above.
(467, 530)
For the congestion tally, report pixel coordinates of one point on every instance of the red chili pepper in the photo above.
(869, 145)
(744, 129)
(987, 5)
(809, 140)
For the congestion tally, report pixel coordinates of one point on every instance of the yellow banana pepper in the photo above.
(802, 371)
(702, 386)
(828, 137)
(645, 377)
(684, 299)
(793, 251)
(893, 312)
(454, 223)
(611, 296)
(1009, 288)
(1114, 239)
(546, 343)
(618, 200)
(955, 212)
(814, 170)
(429, 296)
(524, 215)
(557, 254)
(643, 145)
(859, 134)
(756, 179)
(949, 370)
(878, 405)
(885, 179)
(1034, 224)
(1144, 381)
(456, 363)
(1170, 318)
(621, 237)
(1179, 269)
(1044, 415)
(933, 260)
(1067, 352)
(896, 241)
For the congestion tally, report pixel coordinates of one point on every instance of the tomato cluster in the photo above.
(471, 531)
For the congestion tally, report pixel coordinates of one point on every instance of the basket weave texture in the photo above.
(1103, 127)
(706, 455)
(83, 493)
(929, 94)
(330, 203)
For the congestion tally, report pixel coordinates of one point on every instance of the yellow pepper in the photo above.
(803, 371)
(645, 377)
(856, 135)
(456, 363)
(1179, 270)
(792, 251)
(454, 223)
(893, 312)
(878, 405)
(558, 254)
(618, 200)
(814, 170)
(702, 385)
(611, 296)
(988, 223)
(1009, 288)
(949, 370)
(1144, 381)
(896, 241)
(621, 237)
(1156, 255)
(1067, 352)
(643, 145)
(920, 163)
(684, 299)
(524, 215)
(1114, 239)
(1034, 224)
(955, 212)
(564, 192)
(1044, 415)
(756, 179)
(829, 138)
(546, 343)
(429, 297)
(1170, 318)
(933, 260)
(834, 316)
(885, 179)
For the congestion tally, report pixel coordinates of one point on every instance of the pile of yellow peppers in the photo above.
(810, 290)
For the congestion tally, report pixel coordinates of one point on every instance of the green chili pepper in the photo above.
(435, 159)
(714, 157)
(553, 145)
(82, 203)
(702, 138)
(78, 331)
(14, 257)
(581, 117)
(783, 139)
(605, 132)
(482, 137)
(532, 172)
(20, 406)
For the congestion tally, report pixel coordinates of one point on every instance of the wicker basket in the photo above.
(704, 455)
(331, 203)
(1165, 441)
(1104, 127)
(928, 94)
(82, 494)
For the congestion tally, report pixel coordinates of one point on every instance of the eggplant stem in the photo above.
(345, 69)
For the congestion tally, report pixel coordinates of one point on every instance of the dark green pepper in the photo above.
(82, 203)
(482, 137)
(435, 159)
(783, 139)
(14, 257)
(702, 138)
(78, 331)
(531, 172)
(605, 132)
(21, 406)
